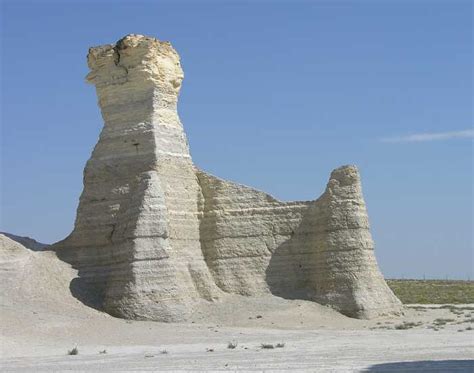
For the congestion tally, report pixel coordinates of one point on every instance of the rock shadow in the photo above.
(290, 272)
(81, 287)
(424, 366)
(86, 293)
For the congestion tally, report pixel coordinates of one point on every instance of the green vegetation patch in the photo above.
(433, 291)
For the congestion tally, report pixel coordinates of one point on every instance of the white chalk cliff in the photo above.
(156, 237)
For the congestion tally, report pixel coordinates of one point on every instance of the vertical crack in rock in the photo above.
(156, 237)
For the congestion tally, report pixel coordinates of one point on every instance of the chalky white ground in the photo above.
(41, 321)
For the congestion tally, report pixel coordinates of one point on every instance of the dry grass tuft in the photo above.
(407, 325)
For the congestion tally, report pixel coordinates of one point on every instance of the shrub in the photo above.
(407, 325)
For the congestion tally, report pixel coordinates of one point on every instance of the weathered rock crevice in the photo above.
(156, 237)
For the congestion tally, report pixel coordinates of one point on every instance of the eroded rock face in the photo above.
(155, 236)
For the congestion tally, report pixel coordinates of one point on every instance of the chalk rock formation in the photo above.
(27, 242)
(29, 277)
(155, 236)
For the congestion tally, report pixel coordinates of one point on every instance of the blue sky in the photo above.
(276, 95)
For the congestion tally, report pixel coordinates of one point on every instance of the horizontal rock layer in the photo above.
(154, 236)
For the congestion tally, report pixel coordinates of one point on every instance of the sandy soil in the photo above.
(41, 321)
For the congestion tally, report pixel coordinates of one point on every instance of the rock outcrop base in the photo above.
(155, 236)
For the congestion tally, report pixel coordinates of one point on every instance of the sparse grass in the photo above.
(267, 346)
(441, 321)
(433, 291)
(453, 308)
(231, 345)
(280, 345)
(381, 327)
(407, 325)
(74, 351)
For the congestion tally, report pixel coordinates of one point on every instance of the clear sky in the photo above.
(276, 95)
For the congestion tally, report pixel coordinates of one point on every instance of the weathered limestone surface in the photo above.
(136, 235)
(155, 236)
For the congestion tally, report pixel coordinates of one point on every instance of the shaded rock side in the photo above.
(154, 236)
